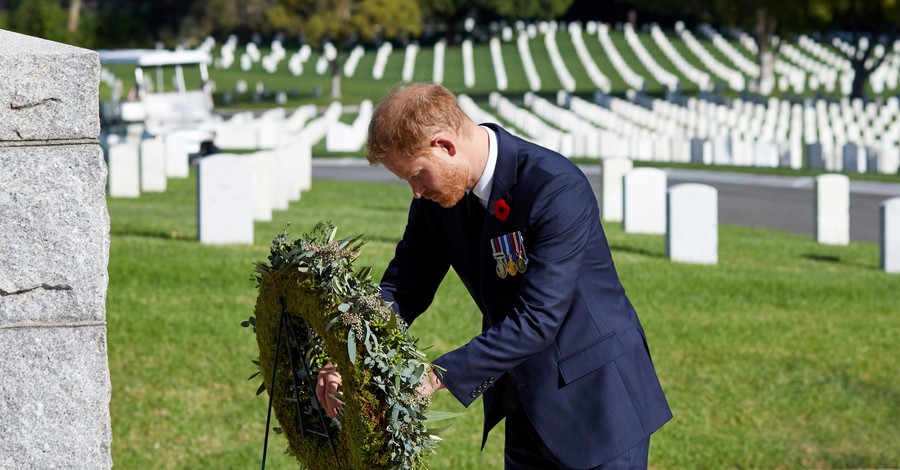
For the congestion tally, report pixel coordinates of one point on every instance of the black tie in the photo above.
(476, 212)
(476, 220)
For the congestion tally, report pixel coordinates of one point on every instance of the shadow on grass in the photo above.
(637, 251)
(177, 236)
(836, 260)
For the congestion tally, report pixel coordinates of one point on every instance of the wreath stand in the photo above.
(290, 334)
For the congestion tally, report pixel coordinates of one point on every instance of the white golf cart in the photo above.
(150, 104)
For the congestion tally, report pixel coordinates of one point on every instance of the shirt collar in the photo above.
(482, 188)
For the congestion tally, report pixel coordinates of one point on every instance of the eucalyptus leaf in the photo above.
(392, 323)
(351, 346)
(435, 415)
(330, 325)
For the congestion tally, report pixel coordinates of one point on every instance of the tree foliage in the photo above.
(530, 9)
(40, 18)
(344, 23)
(871, 27)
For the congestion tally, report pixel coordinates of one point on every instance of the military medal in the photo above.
(509, 253)
(519, 246)
(511, 268)
(500, 256)
(521, 260)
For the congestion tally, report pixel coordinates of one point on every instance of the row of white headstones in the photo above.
(808, 64)
(235, 190)
(687, 214)
(743, 133)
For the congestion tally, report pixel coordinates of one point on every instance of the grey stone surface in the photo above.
(54, 398)
(54, 250)
(851, 157)
(814, 157)
(48, 90)
(54, 245)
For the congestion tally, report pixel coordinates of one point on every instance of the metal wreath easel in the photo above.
(291, 334)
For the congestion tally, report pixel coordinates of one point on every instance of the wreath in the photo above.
(337, 314)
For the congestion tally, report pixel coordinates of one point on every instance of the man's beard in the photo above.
(452, 185)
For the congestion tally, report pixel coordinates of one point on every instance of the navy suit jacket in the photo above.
(564, 331)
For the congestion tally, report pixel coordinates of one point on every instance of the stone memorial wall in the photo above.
(54, 250)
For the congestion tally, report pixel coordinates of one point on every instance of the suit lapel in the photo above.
(504, 181)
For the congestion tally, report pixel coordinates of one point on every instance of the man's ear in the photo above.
(446, 142)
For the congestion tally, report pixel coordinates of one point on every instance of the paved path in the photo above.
(775, 202)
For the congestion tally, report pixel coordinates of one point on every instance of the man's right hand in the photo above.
(327, 384)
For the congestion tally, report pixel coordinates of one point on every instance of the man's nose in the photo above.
(417, 189)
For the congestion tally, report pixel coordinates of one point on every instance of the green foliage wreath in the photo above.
(340, 316)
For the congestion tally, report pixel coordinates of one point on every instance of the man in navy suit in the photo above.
(562, 355)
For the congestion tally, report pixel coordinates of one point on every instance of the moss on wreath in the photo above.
(339, 316)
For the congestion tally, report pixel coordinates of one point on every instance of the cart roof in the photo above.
(153, 57)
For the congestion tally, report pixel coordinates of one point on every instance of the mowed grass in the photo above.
(784, 355)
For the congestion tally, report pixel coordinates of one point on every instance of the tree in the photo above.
(41, 19)
(530, 9)
(344, 23)
(74, 15)
(865, 25)
(450, 14)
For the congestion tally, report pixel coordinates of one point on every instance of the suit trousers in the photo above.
(525, 450)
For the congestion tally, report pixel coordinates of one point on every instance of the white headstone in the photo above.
(124, 170)
(889, 156)
(692, 234)
(342, 137)
(176, 155)
(765, 154)
(304, 152)
(279, 184)
(833, 209)
(153, 165)
(611, 187)
(298, 156)
(269, 133)
(263, 172)
(890, 235)
(721, 150)
(645, 201)
(225, 202)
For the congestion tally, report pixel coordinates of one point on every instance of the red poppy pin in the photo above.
(501, 210)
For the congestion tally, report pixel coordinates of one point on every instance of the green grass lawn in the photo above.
(784, 355)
